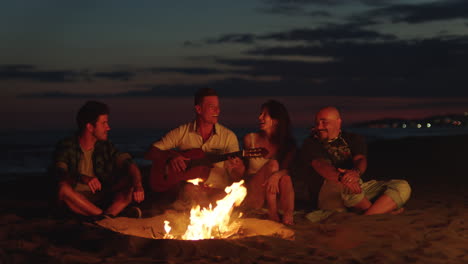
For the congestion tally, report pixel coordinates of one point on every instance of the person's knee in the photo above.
(399, 191)
(351, 200)
(64, 190)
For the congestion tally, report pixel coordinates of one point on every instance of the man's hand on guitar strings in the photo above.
(178, 163)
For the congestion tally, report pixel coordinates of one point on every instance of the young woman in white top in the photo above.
(268, 177)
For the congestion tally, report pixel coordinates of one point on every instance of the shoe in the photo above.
(131, 212)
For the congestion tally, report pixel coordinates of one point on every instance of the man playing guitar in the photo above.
(207, 134)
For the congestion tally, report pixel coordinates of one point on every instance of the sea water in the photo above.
(25, 152)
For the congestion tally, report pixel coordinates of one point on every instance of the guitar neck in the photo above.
(214, 158)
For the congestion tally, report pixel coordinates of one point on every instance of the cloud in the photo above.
(308, 7)
(327, 2)
(116, 75)
(188, 71)
(233, 38)
(419, 13)
(383, 10)
(329, 33)
(416, 68)
(292, 10)
(27, 72)
(30, 73)
(304, 2)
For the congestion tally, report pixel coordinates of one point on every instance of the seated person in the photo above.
(203, 133)
(340, 158)
(268, 177)
(94, 178)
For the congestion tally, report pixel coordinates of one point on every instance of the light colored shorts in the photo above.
(332, 196)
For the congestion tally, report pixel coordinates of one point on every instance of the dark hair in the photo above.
(89, 113)
(282, 136)
(201, 93)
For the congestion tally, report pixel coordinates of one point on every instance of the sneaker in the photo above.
(131, 212)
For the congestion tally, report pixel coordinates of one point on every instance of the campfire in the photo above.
(214, 222)
(207, 223)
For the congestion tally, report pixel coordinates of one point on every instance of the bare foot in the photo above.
(288, 219)
(397, 211)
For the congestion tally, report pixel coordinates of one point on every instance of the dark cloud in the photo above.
(419, 13)
(433, 67)
(233, 38)
(391, 10)
(292, 10)
(419, 68)
(304, 2)
(309, 7)
(116, 75)
(58, 94)
(188, 71)
(329, 33)
(30, 73)
(327, 2)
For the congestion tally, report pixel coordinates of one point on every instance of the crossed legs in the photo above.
(384, 204)
(395, 194)
(81, 205)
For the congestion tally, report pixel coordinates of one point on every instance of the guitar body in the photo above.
(162, 177)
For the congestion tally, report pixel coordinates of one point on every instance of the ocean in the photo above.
(29, 152)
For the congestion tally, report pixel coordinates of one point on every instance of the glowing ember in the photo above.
(195, 181)
(207, 223)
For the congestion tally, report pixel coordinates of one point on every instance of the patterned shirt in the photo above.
(106, 159)
(338, 152)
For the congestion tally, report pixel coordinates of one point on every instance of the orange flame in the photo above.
(195, 181)
(207, 223)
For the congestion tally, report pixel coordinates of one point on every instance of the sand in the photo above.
(433, 228)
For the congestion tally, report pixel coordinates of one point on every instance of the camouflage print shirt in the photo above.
(106, 160)
(339, 152)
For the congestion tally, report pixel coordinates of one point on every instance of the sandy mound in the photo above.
(153, 227)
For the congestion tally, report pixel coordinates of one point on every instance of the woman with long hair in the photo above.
(268, 177)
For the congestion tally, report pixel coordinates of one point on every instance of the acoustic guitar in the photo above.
(163, 177)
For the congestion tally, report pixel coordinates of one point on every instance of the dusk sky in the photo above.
(371, 58)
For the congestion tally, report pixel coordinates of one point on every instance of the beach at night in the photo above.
(392, 71)
(432, 229)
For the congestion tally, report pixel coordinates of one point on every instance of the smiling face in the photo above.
(266, 123)
(208, 111)
(101, 128)
(328, 123)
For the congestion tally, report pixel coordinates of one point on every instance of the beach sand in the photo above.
(432, 229)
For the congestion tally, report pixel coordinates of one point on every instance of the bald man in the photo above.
(340, 159)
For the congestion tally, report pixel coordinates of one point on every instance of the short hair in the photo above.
(89, 113)
(202, 93)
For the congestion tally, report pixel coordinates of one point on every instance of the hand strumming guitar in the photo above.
(178, 163)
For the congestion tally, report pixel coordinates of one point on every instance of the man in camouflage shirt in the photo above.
(340, 158)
